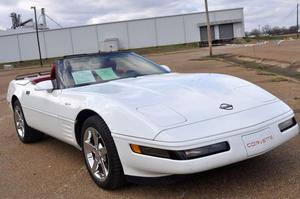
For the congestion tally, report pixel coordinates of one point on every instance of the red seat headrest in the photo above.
(53, 72)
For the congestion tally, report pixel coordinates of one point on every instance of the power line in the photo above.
(288, 16)
(39, 18)
(53, 21)
(290, 13)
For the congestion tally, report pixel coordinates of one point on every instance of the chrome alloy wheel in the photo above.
(19, 121)
(95, 154)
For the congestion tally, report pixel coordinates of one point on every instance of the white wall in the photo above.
(170, 30)
(141, 33)
(238, 30)
(29, 48)
(85, 39)
(191, 28)
(217, 31)
(227, 15)
(58, 43)
(114, 30)
(9, 49)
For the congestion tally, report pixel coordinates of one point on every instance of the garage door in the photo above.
(226, 31)
(203, 33)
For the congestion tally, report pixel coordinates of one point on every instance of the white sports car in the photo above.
(134, 118)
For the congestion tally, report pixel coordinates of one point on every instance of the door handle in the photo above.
(67, 104)
(27, 92)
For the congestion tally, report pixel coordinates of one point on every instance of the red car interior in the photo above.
(52, 76)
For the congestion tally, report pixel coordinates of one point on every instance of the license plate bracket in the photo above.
(258, 142)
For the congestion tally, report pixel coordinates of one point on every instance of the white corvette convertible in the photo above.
(133, 118)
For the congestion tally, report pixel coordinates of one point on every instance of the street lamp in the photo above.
(37, 35)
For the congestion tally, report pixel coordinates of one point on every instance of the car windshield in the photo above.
(99, 68)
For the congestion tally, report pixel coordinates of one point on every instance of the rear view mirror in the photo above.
(44, 86)
(167, 68)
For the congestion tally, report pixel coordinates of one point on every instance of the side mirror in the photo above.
(44, 86)
(167, 68)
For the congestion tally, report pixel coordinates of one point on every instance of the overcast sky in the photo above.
(81, 12)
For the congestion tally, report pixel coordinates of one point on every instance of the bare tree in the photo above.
(255, 32)
(267, 29)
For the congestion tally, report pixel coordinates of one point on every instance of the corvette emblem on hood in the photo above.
(227, 107)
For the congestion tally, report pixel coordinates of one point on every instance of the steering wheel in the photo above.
(132, 73)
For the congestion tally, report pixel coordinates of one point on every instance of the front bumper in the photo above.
(149, 166)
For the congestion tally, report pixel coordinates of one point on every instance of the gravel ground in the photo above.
(287, 51)
(52, 169)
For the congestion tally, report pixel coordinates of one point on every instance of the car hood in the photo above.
(173, 99)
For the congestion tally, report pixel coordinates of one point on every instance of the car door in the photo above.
(40, 109)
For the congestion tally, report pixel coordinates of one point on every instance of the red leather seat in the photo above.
(53, 72)
(52, 76)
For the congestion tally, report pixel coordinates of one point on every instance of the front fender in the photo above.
(123, 120)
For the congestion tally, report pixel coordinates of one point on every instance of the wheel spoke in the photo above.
(103, 153)
(95, 138)
(18, 114)
(95, 166)
(22, 132)
(103, 167)
(88, 148)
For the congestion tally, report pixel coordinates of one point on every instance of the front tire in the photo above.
(100, 154)
(24, 132)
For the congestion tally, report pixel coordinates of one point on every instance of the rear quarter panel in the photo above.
(15, 88)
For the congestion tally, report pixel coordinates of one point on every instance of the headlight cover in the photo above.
(182, 155)
(287, 124)
(207, 150)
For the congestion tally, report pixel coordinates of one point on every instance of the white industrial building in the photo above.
(132, 34)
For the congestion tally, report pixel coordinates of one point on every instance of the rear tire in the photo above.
(24, 132)
(100, 154)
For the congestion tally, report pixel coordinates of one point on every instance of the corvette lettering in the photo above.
(260, 142)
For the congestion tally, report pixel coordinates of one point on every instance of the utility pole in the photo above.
(208, 29)
(298, 21)
(37, 35)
